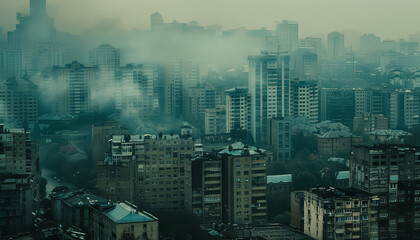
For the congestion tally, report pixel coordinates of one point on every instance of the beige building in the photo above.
(342, 213)
(238, 109)
(150, 168)
(244, 175)
(305, 100)
(215, 120)
(122, 221)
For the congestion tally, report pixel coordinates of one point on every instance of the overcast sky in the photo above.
(386, 18)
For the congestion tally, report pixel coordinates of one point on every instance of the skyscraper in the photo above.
(335, 46)
(174, 88)
(74, 84)
(270, 90)
(107, 58)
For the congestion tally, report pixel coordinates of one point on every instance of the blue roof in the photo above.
(123, 213)
(286, 178)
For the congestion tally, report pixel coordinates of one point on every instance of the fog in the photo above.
(316, 17)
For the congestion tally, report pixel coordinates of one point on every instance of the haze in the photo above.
(315, 17)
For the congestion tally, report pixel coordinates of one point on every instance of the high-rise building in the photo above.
(392, 173)
(203, 188)
(107, 59)
(338, 105)
(238, 109)
(369, 43)
(313, 44)
(281, 139)
(335, 46)
(48, 55)
(101, 133)
(18, 100)
(305, 65)
(342, 213)
(196, 100)
(173, 88)
(404, 109)
(244, 184)
(156, 21)
(286, 36)
(215, 120)
(117, 172)
(140, 91)
(74, 85)
(32, 30)
(19, 180)
(270, 90)
(305, 100)
(191, 74)
(155, 168)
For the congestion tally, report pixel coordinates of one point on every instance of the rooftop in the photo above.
(285, 178)
(238, 149)
(124, 213)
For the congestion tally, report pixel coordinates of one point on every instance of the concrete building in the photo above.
(72, 207)
(285, 37)
(244, 181)
(270, 90)
(404, 109)
(337, 144)
(280, 139)
(107, 59)
(238, 109)
(392, 173)
(369, 123)
(32, 30)
(215, 121)
(371, 100)
(305, 65)
(147, 168)
(203, 188)
(196, 100)
(18, 100)
(121, 221)
(305, 100)
(140, 93)
(279, 185)
(297, 215)
(342, 213)
(337, 105)
(173, 88)
(101, 133)
(19, 181)
(335, 46)
(314, 44)
(74, 85)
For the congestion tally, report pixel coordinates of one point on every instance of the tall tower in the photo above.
(270, 90)
(38, 8)
(335, 46)
(287, 32)
(156, 21)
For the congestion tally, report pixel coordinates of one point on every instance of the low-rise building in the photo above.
(122, 221)
(337, 144)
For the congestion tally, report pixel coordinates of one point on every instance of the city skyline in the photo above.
(316, 18)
